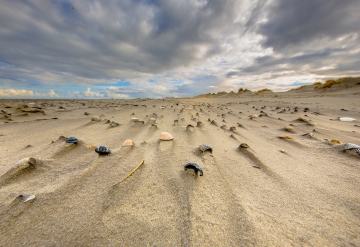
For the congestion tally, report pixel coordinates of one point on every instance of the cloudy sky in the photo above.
(157, 48)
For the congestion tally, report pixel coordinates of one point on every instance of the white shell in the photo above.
(32, 197)
(22, 164)
(134, 119)
(152, 120)
(347, 119)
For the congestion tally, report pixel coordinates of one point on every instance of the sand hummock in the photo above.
(298, 191)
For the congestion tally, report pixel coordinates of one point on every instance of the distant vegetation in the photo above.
(242, 90)
(263, 91)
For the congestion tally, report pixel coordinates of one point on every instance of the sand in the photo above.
(297, 191)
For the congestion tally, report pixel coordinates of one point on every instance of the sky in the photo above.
(124, 49)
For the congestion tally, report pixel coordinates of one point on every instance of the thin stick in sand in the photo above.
(142, 162)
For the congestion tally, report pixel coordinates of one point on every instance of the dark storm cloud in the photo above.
(291, 22)
(107, 39)
(326, 60)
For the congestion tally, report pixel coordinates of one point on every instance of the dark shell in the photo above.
(204, 148)
(350, 146)
(243, 145)
(102, 150)
(72, 140)
(195, 167)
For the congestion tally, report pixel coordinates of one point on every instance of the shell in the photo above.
(72, 140)
(243, 145)
(32, 197)
(114, 123)
(134, 119)
(204, 148)
(128, 142)
(233, 128)
(23, 163)
(335, 141)
(289, 128)
(195, 167)
(95, 118)
(152, 120)
(102, 150)
(346, 119)
(287, 137)
(165, 136)
(351, 146)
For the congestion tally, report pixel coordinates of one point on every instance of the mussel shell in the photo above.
(195, 167)
(243, 145)
(72, 140)
(204, 148)
(102, 150)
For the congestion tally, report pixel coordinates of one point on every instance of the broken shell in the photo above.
(95, 118)
(289, 128)
(32, 197)
(195, 167)
(346, 119)
(204, 148)
(189, 126)
(287, 137)
(102, 150)
(25, 163)
(233, 128)
(165, 136)
(199, 124)
(152, 120)
(114, 123)
(253, 116)
(243, 145)
(351, 146)
(128, 142)
(72, 140)
(176, 121)
(134, 119)
(335, 141)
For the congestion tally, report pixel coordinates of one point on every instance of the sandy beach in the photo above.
(289, 184)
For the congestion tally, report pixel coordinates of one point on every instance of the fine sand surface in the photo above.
(299, 190)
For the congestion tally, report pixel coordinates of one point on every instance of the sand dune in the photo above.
(290, 185)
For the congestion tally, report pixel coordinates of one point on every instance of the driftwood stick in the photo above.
(142, 162)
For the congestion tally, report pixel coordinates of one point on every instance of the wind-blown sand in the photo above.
(303, 191)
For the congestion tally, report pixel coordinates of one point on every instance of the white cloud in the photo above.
(52, 93)
(88, 93)
(15, 92)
